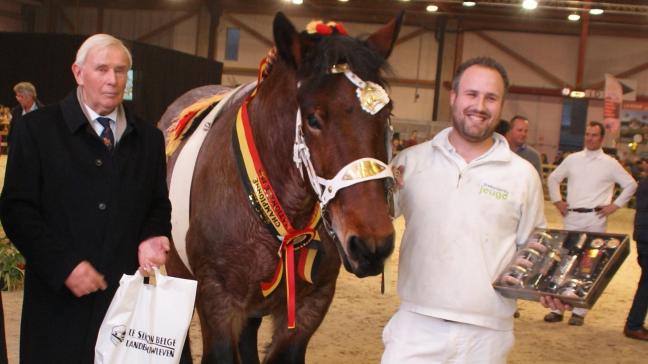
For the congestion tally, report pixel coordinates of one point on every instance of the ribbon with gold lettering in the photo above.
(268, 207)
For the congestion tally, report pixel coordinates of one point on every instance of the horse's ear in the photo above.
(382, 41)
(286, 40)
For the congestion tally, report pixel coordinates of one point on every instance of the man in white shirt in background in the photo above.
(591, 175)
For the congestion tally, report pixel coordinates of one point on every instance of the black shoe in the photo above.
(576, 320)
(641, 334)
(553, 317)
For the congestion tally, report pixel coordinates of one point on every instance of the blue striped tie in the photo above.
(106, 135)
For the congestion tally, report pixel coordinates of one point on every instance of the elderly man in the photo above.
(27, 102)
(449, 257)
(517, 138)
(591, 176)
(85, 201)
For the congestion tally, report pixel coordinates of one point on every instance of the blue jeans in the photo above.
(637, 314)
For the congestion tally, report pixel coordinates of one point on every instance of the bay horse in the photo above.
(231, 247)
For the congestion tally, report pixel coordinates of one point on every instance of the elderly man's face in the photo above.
(102, 78)
(25, 100)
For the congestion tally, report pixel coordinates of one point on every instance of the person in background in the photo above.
(457, 314)
(397, 144)
(517, 139)
(591, 175)
(413, 139)
(27, 102)
(502, 127)
(634, 326)
(643, 168)
(85, 200)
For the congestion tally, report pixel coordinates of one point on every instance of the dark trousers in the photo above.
(637, 314)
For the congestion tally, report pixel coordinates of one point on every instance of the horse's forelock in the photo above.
(329, 51)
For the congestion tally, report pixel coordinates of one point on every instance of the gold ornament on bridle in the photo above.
(372, 96)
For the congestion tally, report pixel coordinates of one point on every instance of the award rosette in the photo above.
(574, 266)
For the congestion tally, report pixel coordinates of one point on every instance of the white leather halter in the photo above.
(372, 99)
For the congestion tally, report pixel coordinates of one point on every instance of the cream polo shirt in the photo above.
(463, 221)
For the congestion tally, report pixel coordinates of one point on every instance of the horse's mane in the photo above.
(328, 51)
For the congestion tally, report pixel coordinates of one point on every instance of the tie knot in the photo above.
(105, 122)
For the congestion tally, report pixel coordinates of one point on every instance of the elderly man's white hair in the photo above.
(100, 41)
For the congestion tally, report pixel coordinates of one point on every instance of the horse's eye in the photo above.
(313, 122)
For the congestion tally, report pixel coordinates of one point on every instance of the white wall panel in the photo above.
(184, 36)
(556, 54)
(615, 55)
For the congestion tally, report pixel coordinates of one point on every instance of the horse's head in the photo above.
(344, 133)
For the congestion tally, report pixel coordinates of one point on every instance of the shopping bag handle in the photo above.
(157, 273)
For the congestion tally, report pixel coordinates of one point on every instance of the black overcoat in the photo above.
(67, 199)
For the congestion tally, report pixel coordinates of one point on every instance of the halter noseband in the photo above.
(372, 98)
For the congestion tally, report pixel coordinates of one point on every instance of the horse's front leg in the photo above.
(289, 346)
(248, 341)
(222, 319)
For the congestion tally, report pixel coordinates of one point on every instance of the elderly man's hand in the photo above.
(152, 252)
(84, 279)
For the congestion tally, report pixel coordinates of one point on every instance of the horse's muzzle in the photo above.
(369, 256)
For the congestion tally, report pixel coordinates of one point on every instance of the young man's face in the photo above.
(477, 103)
(593, 138)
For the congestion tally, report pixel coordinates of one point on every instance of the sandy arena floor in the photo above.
(351, 332)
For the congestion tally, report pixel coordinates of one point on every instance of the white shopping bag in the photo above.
(146, 323)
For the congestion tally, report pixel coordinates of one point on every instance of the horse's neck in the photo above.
(272, 117)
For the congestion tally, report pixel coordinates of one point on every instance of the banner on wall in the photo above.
(634, 122)
(617, 91)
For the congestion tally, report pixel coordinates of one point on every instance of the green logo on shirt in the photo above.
(493, 191)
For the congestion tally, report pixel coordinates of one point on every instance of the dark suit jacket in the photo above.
(16, 116)
(641, 215)
(67, 199)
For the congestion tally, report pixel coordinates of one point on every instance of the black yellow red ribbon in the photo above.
(268, 206)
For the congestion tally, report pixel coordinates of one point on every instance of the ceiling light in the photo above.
(596, 11)
(469, 3)
(573, 17)
(529, 4)
(297, 2)
(431, 8)
(577, 94)
(343, 1)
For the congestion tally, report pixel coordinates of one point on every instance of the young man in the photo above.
(85, 201)
(591, 176)
(468, 202)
